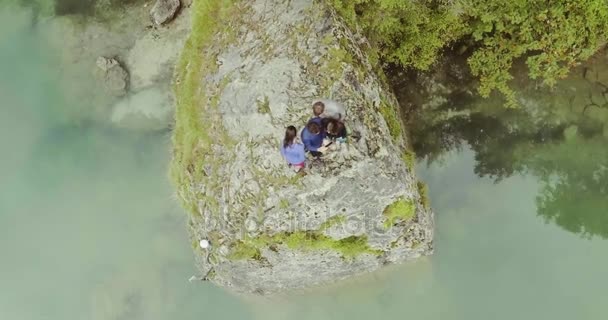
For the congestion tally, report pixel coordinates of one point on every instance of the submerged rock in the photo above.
(152, 57)
(149, 109)
(164, 11)
(106, 69)
(356, 210)
(112, 75)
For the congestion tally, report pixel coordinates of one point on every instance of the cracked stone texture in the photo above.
(283, 53)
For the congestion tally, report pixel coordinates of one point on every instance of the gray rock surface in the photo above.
(112, 75)
(270, 229)
(164, 11)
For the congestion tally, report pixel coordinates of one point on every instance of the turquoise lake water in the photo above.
(90, 229)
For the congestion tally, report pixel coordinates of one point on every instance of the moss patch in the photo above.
(283, 203)
(302, 240)
(264, 105)
(335, 220)
(392, 120)
(409, 158)
(333, 69)
(423, 191)
(243, 250)
(400, 210)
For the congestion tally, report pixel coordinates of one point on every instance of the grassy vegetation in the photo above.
(392, 120)
(423, 191)
(400, 210)
(264, 105)
(302, 240)
(409, 158)
(333, 68)
(283, 203)
(250, 248)
(243, 251)
(192, 137)
(335, 220)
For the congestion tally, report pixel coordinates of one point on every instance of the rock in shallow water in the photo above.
(164, 11)
(112, 75)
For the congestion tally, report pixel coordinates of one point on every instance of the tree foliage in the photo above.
(411, 33)
(552, 35)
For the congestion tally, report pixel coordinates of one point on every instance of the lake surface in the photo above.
(90, 229)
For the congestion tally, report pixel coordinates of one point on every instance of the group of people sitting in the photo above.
(322, 130)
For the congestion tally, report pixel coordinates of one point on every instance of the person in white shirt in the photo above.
(327, 108)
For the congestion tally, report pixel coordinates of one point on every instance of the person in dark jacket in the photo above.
(313, 137)
(335, 130)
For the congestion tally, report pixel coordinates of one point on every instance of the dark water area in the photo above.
(67, 7)
(558, 135)
(84, 8)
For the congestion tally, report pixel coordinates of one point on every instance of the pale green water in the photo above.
(89, 228)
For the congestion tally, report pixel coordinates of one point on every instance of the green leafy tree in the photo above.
(411, 33)
(551, 35)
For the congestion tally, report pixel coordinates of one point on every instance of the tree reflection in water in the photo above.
(561, 137)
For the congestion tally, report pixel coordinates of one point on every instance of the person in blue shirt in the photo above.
(293, 150)
(313, 137)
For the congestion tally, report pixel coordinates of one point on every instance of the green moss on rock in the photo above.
(400, 210)
(392, 120)
(243, 250)
(409, 158)
(264, 105)
(335, 220)
(350, 247)
(423, 191)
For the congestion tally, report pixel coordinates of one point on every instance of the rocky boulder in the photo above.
(112, 75)
(270, 229)
(164, 11)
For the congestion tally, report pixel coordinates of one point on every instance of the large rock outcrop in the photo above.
(241, 81)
